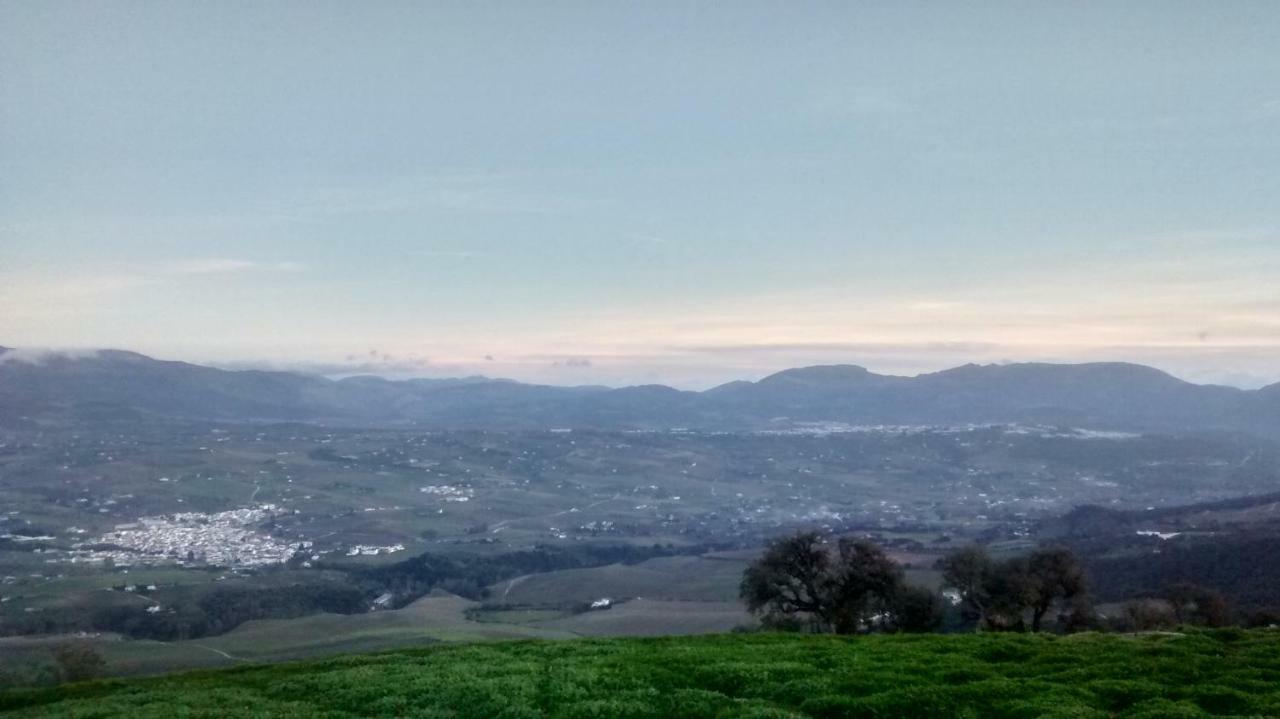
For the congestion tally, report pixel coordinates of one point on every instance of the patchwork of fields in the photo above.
(439, 617)
(1199, 674)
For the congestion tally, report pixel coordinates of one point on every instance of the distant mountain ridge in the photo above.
(119, 385)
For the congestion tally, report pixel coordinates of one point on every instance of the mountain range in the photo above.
(114, 385)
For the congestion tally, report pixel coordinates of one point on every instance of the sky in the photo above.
(632, 192)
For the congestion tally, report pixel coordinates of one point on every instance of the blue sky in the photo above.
(632, 192)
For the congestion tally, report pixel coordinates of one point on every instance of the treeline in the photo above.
(190, 613)
(224, 608)
(848, 586)
(469, 576)
(807, 582)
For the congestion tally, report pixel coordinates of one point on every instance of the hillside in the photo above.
(1230, 545)
(1200, 674)
(115, 385)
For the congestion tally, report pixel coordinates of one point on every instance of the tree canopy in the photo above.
(1000, 595)
(854, 586)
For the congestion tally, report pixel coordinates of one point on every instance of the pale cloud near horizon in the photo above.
(1162, 313)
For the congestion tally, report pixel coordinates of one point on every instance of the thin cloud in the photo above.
(222, 266)
(40, 355)
(374, 363)
(34, 297)
(450, 254)
(836, 347)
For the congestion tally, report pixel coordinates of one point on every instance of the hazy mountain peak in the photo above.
(821, 374)
(650, 389)
(1089, 370)
(735, 385)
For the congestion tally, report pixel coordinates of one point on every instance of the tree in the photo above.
(855, 588)
(916, 609)
(1196, 604)
(1055, 574)
(864, 584)
(1145, 615)
(1269, 617)
(792, 578)
(1010, 591)
(967, 570)
(77, 661)
(1080, 615)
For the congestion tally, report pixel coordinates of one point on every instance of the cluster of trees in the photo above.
(803, 582)
(221, 609)
(192, 612)
(70, 661)
(77, 661)
(1182, 603)
(1001, 595)
(807, 582)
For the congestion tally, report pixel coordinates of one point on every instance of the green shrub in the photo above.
(1118, 694)
(1218, 699)
(1165, 709)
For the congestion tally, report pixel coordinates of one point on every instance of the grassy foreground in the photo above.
(1223, 673)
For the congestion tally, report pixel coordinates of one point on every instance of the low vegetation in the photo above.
(1200, 673)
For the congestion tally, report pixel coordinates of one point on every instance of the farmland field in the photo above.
(1196, 674)
(436, 618)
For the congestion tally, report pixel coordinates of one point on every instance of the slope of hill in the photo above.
(124, 385)
(1230, 545)
(1200, 674)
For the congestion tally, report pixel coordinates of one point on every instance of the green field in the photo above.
(436, 618)
(1198, 674)
(688, 578)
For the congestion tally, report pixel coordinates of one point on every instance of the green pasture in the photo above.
(1227, 673)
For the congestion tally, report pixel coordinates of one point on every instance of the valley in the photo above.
(237, 542)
